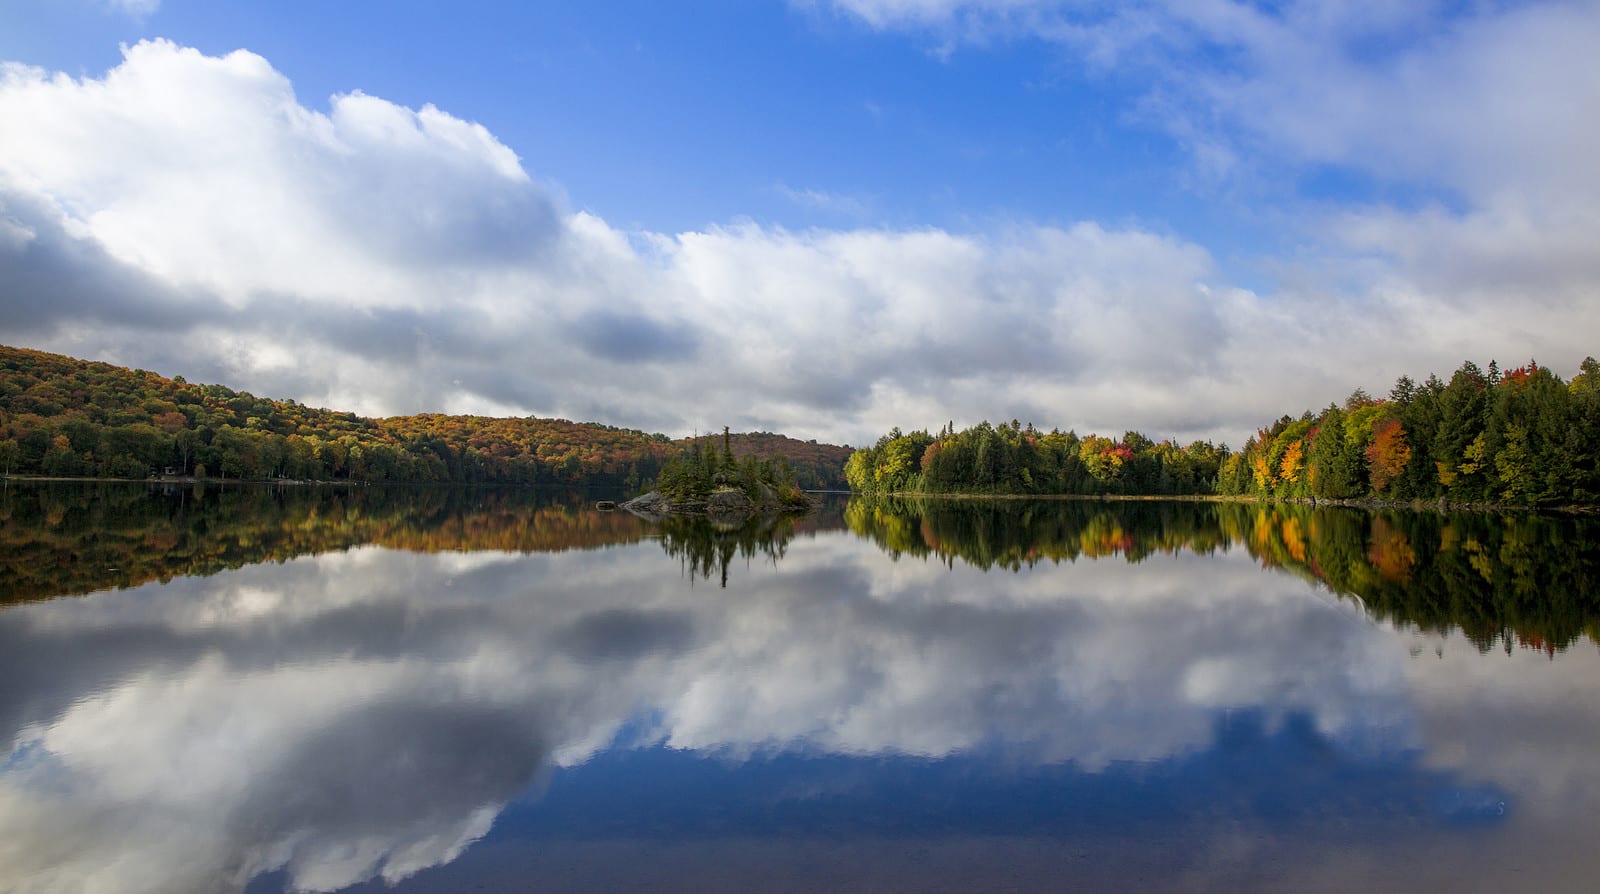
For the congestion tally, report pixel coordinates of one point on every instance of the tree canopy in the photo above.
(1522, 438)
(1014, 459)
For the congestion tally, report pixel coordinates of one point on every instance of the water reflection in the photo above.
(1517, 578)
(73, 538)
(707, 548)
(368, 714)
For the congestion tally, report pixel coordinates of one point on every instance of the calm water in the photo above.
(258, 690)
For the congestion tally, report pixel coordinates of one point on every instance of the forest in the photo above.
(62, 417)
(1522, 438)
(1525, 437)
(1017, 459)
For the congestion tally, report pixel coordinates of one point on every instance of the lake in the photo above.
(258, 689)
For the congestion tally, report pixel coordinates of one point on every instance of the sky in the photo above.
(820, 217)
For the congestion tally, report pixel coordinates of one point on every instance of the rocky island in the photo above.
(708, 481)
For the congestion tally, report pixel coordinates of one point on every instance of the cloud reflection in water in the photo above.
(369, 714)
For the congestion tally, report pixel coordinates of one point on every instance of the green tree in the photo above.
(1514, 466)
(1334, 465)
(858, 472)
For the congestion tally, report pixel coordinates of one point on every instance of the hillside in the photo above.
(815, 466)
(60, 416)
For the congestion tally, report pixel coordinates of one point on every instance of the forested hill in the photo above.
(65, 417)
(815, 466)
(1523, 438)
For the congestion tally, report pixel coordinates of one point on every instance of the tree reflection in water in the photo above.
(1518, 578)
(706, 548)
(73, 538)
(1506, 579)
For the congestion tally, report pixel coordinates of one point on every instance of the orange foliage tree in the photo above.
(1293, 461)
(1388, 453)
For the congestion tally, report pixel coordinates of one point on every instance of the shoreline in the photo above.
(293, 482)
(1369, 504)
(725, 505)
(190, 479)
(1414, 505)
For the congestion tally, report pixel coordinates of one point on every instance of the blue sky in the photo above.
(1183, 218)
(673, 116)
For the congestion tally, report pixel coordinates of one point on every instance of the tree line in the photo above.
(1017, 459)
(63, 417)
(1525, 437)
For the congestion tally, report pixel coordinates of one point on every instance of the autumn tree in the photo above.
(1387, 454)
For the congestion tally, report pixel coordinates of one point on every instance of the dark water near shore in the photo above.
(437, 690)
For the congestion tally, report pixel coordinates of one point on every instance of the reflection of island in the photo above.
(708, 547)
(1519, 578)
(708, 544)
(63, 539)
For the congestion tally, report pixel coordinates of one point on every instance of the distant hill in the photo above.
(60, 416)
(816, 466)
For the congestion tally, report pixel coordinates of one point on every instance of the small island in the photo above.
(708, 480)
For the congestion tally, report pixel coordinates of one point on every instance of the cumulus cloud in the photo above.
(208, 173)
(190, 214)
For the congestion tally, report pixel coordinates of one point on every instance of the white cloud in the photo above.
(208, 173)
(189, 214)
